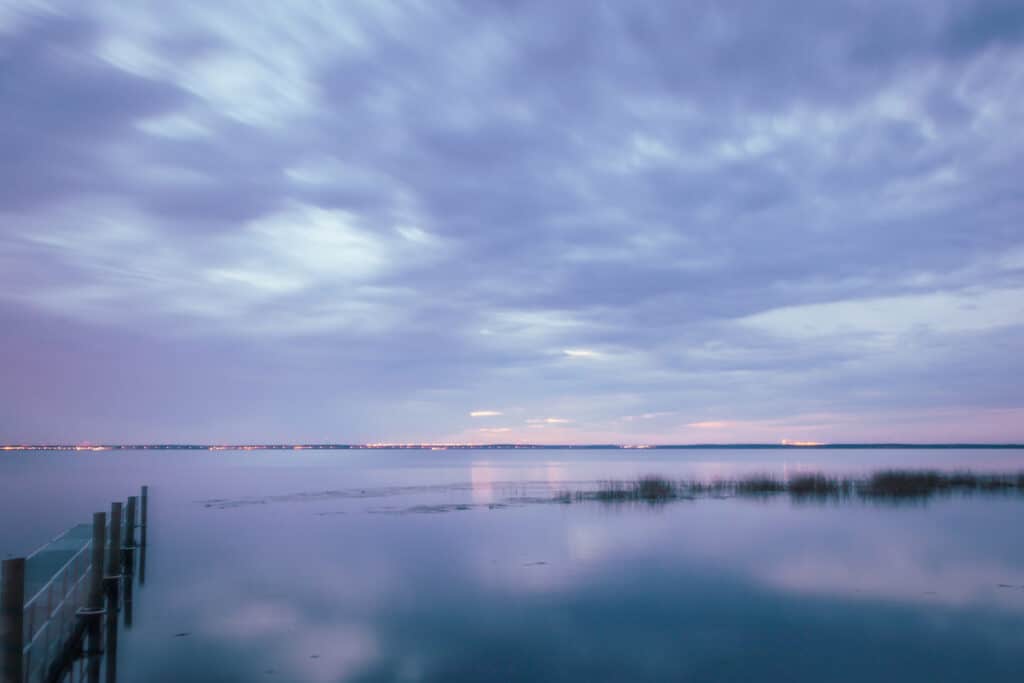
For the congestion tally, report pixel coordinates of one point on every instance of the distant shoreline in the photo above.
(504, 446)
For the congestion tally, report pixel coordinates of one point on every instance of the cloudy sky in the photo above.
(499, 221)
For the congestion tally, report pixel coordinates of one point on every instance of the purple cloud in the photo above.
(364, 222)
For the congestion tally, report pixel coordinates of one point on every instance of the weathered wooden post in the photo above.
(142, 566)
(99, 547)
(145, 529)
(129, 525)
(113, 575)
(114, 547)
(128, 589)
(113, 579)
(92, 654)
(129, 559)
(145, 512)
(12, 620)
(110, 649)
(94, 602)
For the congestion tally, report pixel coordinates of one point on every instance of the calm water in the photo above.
(434, 566)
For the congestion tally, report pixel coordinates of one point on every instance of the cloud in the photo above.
(485, 413)
(675, 191)
(581, 353)
(949, 312)
(66, 112)
(710, 424)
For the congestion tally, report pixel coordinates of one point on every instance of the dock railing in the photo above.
(48, 599)
(51, 615)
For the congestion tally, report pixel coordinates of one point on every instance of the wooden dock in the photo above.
(60, 606)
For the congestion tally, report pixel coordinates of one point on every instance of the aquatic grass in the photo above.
(996, 484)
(760, 484)
(650, 489)
(885, 485)
(564, 497)
(816, 485)
(925, 483)
(654, 489)
(900, 484)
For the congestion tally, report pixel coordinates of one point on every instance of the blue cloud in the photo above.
(364, 221)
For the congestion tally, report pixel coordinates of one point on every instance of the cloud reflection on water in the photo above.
(735, 589)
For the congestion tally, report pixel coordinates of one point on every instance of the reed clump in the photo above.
(760, 485)
(918, 484)
(897, 484)
(891, 485)
(656, 489)
(650, 489)
(815, 485)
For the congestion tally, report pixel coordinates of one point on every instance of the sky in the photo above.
(642, 222)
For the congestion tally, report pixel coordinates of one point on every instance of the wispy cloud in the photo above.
(535, 213)
(649, 416)
(581, 353)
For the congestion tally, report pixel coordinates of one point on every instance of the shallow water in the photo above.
(436, 566)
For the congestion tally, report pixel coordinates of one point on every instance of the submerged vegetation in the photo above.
(651, 488)
(893, 486)
(887, 485)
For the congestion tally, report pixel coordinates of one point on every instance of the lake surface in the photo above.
(448, 566)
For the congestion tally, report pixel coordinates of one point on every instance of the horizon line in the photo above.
(498, 446)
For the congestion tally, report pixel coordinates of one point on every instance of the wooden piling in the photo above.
(127, 600)
(114, 547)
(129, 525)
(94, 635)
(110, 641)
(99, 547)
(94, 650)
(145, 514)
(12, 620)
